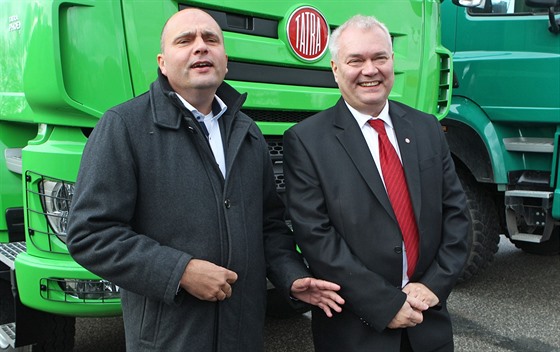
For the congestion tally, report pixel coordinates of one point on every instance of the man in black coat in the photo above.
(176, 203)
(345, 218)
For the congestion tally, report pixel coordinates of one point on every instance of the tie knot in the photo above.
(378, 125)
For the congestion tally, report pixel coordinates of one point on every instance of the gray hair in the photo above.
(357, 21)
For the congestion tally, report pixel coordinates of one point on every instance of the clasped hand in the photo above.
(418, 299)
(208, 281)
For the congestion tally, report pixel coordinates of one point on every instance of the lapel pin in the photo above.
(407, 140)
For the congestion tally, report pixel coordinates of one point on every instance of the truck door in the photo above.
(507, 44)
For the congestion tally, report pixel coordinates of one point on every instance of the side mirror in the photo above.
(468, 3)
(542, 3)
(554, 26)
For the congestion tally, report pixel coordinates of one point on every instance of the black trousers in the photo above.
(406, 347)
(405, 342)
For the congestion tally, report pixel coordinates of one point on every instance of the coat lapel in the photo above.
(236, 133)
(234, 128)
(352, 140)
(408, 147)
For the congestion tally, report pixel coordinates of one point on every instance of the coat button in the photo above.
(227, 203)
(398, 249)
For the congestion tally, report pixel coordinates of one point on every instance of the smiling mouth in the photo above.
(370, 84)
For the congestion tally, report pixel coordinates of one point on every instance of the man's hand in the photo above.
(421, 292)
(320, 293)
(207, 281)
(409, 315)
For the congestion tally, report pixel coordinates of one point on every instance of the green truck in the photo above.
(63, 63)
(503, 126)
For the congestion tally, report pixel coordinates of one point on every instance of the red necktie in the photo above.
(397, 189)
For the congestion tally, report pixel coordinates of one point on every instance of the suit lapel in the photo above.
(408, 146)
(352, 140)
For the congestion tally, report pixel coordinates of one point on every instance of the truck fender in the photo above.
(473, 140)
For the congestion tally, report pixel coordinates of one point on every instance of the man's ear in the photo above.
(161, 64)
(334, 69)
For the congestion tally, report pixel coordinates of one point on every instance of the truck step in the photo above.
(529, 144)
(9, 252)
(8, 339)
(535, 203)
(519, 193)
(7, 335)
(527, 237)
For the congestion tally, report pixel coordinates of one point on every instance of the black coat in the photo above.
(346, 228)
(149, 197)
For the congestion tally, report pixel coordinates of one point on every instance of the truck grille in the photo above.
(445, 81)
(274, 74)
(278, 115)
(276, 151)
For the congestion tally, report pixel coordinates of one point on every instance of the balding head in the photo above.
(186, 15)
(193, 56)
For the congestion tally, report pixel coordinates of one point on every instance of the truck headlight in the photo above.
(90, 289)
(56, 197)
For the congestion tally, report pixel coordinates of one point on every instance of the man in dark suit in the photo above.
(395, 275)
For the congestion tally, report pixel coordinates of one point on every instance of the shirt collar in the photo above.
(362, 119)
(218, 107)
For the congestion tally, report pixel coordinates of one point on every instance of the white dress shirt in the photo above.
(371, 137)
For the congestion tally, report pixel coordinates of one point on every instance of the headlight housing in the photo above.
(88, 289)
(56, 197)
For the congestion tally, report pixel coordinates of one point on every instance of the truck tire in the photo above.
(59, 334)
(60, 338)
(484, 234)
(6, 302)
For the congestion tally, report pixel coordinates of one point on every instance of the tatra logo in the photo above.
(308, 33)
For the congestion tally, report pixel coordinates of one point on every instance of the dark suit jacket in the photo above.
(347, 230)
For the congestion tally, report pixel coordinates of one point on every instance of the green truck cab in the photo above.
(64, 63)
(503, 127)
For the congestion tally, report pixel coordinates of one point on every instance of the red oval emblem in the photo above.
(308, 33)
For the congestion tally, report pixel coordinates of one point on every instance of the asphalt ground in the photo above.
(514, 305)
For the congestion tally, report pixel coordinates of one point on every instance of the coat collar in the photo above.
(170, 116)
(169, 112)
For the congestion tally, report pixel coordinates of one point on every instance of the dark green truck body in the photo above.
(503, 126)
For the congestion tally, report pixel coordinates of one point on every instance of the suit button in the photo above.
(227, 203)
(398, 249)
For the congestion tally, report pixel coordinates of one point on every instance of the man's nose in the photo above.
(369, 67)
(200, 46)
